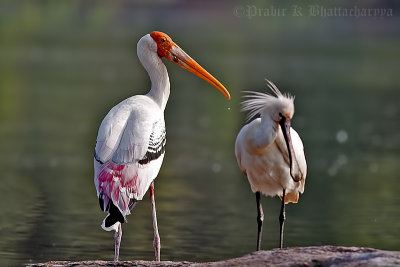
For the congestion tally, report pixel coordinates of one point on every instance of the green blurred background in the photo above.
(64, 64)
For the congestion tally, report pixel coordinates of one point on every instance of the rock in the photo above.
(297, 256)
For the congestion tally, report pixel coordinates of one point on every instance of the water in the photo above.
(64, 65)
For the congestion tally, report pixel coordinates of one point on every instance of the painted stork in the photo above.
(130, 144)
(270, 153)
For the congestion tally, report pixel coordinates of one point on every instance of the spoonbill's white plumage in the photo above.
(131, 140)
(270, 153)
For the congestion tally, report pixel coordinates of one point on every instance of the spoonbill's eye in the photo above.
(163, 39)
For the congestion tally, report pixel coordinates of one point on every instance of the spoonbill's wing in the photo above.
(299, 152)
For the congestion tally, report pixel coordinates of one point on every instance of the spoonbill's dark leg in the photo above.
(260, 219)
(282, 218)
(117, 237)
(156, 243)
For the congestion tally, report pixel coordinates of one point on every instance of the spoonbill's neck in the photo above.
(160, 87)
(264, 133)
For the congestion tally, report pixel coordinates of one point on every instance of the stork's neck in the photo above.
(160, 87)
(264, 132)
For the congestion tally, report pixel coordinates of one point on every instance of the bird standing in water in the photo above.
(270, 153)
(131, 140)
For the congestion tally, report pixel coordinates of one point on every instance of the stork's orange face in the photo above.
(164, 44)
(168, 49)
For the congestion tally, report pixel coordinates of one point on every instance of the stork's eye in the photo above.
(163, 39)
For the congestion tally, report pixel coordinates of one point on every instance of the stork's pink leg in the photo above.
(156, 243)
(117, 237)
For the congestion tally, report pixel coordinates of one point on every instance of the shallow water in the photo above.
(63, 66)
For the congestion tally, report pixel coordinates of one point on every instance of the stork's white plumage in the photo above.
(131, 140)
(270, 153)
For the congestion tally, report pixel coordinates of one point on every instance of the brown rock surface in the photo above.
(297, 256)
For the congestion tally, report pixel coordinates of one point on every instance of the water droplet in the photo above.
(342, 136)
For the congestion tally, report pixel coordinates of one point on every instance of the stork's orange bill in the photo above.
(168, 49)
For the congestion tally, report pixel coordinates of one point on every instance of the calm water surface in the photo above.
(63, 66)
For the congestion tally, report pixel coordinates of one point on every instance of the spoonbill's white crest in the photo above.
(130, 144)
(270, 153)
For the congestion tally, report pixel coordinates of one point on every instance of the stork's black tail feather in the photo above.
(114, 216)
